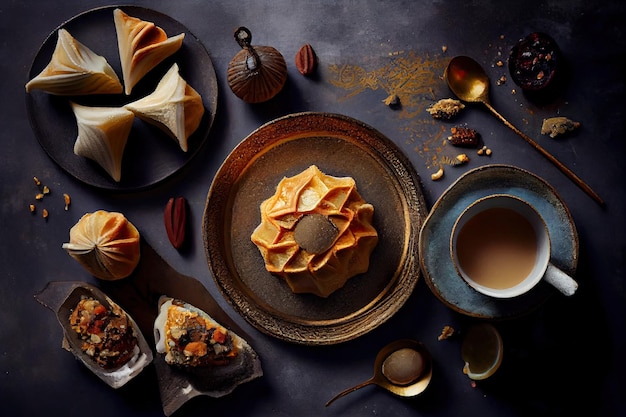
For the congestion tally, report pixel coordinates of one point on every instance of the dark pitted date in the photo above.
(175, 218)
(306, 60)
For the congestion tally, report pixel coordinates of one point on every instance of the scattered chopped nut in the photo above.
(484, 151)
(437, 175)
(44, 191)
(445, 333)
(444, 48)
(555, 126)
(445, 108)
(461, 159)
(392, 100)
(499, 63)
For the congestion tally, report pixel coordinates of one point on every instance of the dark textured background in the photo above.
(567, 357)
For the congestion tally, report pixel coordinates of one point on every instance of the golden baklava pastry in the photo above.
(174, 107)
(106, 244)
(316, 232)
(74, 69)
(142, 46)
(102, 135)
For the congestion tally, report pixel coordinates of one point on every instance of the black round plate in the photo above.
(150, 155)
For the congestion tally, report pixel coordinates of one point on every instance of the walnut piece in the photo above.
(445, 108)
(555, 126)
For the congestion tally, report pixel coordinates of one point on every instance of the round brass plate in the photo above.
(339, 146)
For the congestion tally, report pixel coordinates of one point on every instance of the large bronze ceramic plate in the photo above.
(150, 155)
(339, 146)
(434, 241)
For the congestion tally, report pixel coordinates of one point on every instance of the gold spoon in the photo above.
(403, 367)
(468, 80)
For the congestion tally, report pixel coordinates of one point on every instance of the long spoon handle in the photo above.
(349, 390)
(575, 178)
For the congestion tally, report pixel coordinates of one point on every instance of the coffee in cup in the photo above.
(500, 246)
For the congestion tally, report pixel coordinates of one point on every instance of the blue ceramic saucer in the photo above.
(434, 240)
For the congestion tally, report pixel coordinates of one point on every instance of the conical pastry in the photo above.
(174, 106)
(102, 135)
(142, 46)
(106, 244)
(74, 69)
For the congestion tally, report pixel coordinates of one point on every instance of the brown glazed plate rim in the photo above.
(339, 146)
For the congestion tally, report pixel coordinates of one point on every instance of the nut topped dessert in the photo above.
(316, 232)
(107, 334)
(189, 337)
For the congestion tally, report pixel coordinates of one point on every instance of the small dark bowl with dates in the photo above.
(535, 63)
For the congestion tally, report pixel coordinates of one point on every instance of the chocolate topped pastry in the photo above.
(316, 232)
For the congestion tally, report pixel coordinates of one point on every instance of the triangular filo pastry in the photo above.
(174, 107)
(142, 46)
(74, 69)
(102, 135)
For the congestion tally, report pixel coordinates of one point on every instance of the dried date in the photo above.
(175, 218)
(464, 136)
(306, 60)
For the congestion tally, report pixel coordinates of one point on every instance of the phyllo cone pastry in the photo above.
(74, 69)
(102, 135)
(174, 107)
(142, 46)
(106, 244)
